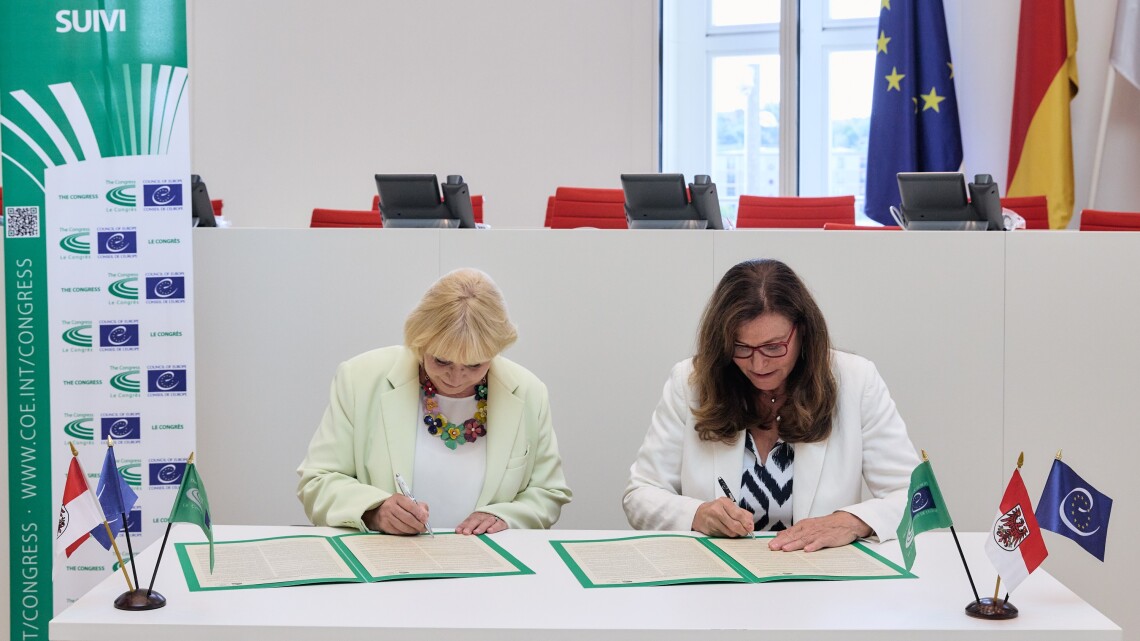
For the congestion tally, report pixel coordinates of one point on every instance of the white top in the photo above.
(449, 481)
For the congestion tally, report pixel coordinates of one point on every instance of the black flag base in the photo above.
(987, 608)
(140, 599)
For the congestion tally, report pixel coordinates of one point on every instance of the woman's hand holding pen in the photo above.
(722, 517)
(398, 514)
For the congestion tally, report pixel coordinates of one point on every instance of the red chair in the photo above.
(549, 211)
(345, 218)
(1034, 209)
(476, 206)
(587, 207)
(794, 211)
(846, 227)
(1098, 220)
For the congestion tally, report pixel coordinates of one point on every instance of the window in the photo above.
(729, 72)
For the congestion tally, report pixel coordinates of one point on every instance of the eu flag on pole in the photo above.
(914, 112)
(1071, 507)
(115, 496)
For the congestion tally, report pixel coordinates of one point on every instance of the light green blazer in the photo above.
(368, 432)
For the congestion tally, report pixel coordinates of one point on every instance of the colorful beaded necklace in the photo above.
(451, 434)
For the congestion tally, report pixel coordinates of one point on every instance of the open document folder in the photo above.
(357, 557)
(667, 559)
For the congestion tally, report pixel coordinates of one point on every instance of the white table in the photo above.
(552, 605)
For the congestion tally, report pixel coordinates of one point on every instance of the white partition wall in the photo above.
(1072, 354)
(602, 317)
(990, 344)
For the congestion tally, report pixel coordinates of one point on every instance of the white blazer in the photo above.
(675, 471)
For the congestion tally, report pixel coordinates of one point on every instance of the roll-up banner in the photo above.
(94, 133)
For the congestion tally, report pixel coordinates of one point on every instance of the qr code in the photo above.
(22, 222)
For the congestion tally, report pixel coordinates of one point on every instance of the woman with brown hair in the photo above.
(768, 412)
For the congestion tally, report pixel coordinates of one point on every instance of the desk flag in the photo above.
(1041, 136)
(1071, 507)
(192, 506)
(115, 496)
(927, 510)
(1015, 545)
(79, 512)
(914, 109)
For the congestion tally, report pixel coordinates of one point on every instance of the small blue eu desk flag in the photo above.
(1071, 507)
(914, 112)
(115, 496)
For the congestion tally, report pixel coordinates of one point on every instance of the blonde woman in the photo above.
(467, 430)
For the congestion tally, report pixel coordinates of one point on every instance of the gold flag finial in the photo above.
(1020, 460)
(924, 459)
(1058, 457)
(110, 443)
(190, 461)
(74, 452)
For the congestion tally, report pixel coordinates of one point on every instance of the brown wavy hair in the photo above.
(727, 400)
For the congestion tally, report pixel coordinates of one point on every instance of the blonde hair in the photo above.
(461, 318)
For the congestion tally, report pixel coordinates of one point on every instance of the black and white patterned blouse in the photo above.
(766, 489)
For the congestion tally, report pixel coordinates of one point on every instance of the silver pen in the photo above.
(408, 493)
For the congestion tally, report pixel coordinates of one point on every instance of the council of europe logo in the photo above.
(165, 380)
(118, 335)
(167, 473)
(165, 287)
(168, 195)
(117, 242)
(122, 428)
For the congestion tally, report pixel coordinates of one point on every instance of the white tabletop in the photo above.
(552, 605)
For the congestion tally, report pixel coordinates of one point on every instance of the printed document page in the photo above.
(848, 561)
(645, 560)
(289, 560)
(386, 556)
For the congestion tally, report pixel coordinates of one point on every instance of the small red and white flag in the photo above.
(1015, 545)
(79, 512)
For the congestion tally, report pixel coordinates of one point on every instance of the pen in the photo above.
(728, 493)
(408, 493)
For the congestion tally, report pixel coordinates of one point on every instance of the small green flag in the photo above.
(927, 510)
(192, 506)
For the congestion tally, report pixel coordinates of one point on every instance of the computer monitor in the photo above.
(941, 200)
(660, 201)
(201, 208)
(414, 200)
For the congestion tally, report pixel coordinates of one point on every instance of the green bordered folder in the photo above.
(358, 557)
(669, 559)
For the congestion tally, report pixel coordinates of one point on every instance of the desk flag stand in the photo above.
(139, 599)
(995, 608)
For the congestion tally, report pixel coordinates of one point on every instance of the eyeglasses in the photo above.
(767, 350)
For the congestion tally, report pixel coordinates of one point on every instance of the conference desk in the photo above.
(551, 604)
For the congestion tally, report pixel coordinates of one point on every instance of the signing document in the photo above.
(668, 559)
(358, 557)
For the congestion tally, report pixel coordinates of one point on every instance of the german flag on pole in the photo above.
(1040, 140)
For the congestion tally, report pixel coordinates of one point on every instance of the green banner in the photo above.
(79, 84)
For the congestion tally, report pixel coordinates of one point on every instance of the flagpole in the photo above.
(963, 556)
(162, 548)
(1102, 134)
(107, 526)
(126, 534)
